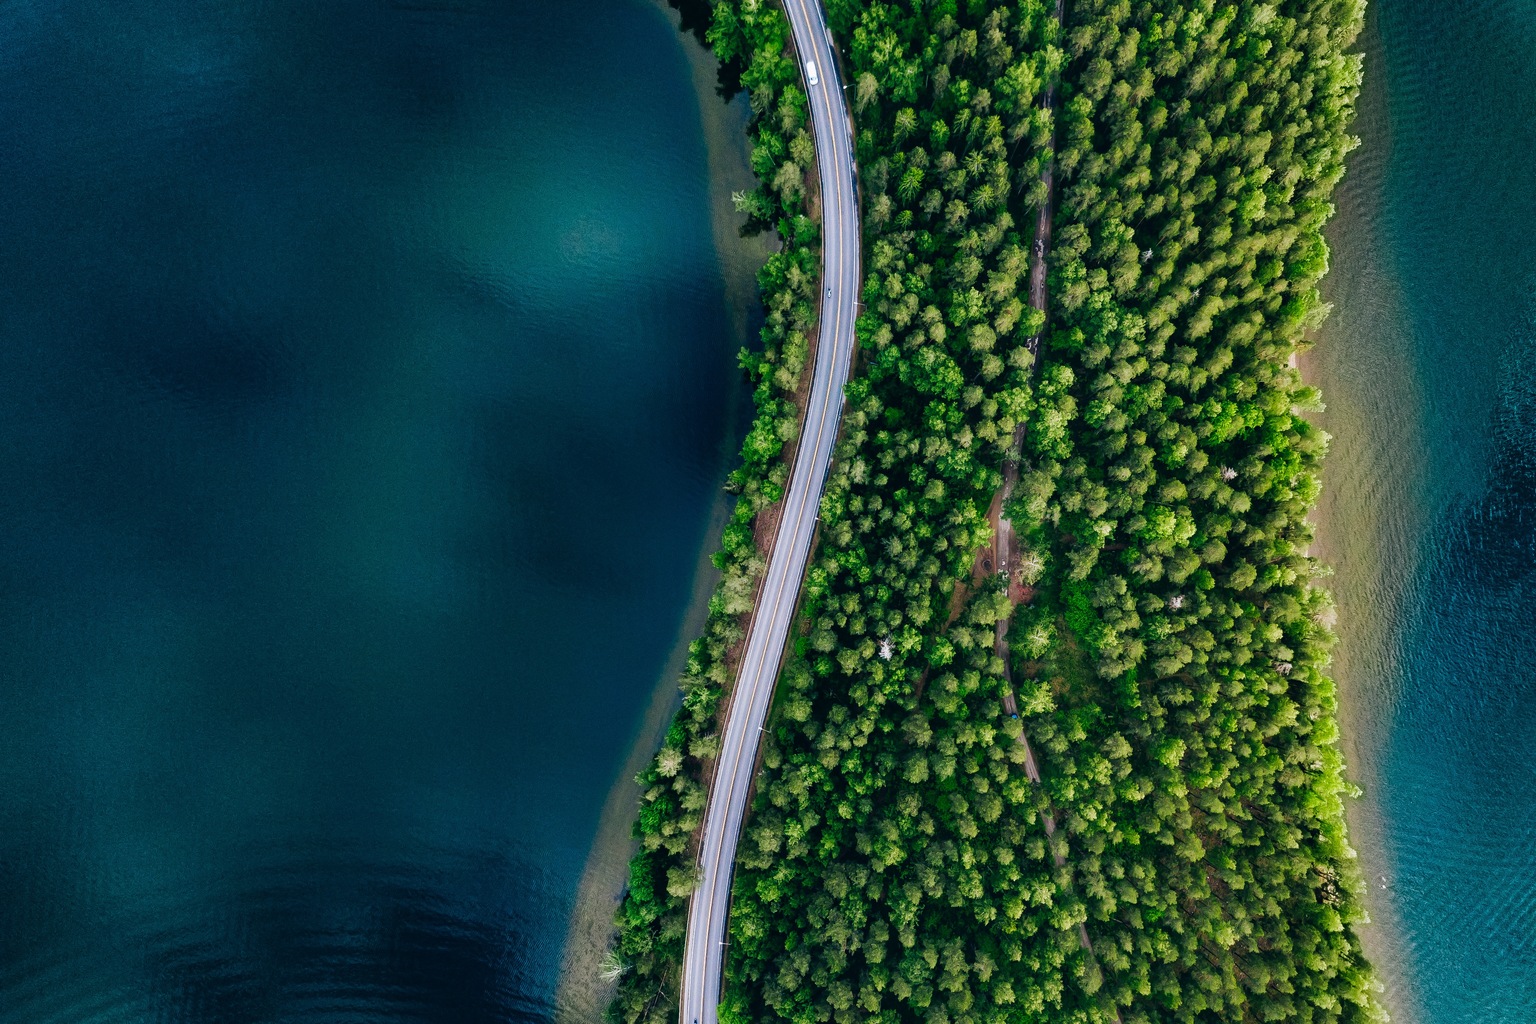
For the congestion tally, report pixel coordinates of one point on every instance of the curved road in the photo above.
(774, 614)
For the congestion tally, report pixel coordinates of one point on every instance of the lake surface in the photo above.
(367, 379)
(1429, 512)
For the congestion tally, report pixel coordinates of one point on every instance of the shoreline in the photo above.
(581, 993)
(1354, 517)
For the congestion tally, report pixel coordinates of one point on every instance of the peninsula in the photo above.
(1153, 629)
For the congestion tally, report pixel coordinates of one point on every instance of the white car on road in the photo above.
(810, 73)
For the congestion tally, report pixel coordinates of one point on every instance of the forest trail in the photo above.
(1005, 553)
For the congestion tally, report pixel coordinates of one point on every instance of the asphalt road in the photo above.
(774, 613)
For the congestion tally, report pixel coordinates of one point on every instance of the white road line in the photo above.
(710, 905)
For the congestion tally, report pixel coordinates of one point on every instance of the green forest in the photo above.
(1170, 661)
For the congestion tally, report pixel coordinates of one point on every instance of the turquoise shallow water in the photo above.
(366, 380)
(1429, 512)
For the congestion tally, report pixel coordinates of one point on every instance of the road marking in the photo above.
(828, 374)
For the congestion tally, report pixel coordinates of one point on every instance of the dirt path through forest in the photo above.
(1005, 553)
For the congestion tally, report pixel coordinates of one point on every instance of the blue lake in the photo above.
(1429, 512)
(367, 381)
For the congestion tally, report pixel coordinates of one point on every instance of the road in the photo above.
(774, 614)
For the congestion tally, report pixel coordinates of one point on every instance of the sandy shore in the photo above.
(583, 994)
(1361, 522)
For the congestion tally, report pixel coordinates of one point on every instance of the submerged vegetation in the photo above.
(1171, 664)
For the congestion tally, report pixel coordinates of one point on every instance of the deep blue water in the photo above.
(1429, 367)
(365, 382)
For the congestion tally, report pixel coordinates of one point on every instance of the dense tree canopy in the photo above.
(1186, 722)
(1171, 665)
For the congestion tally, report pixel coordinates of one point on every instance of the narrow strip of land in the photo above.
(832, 128)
